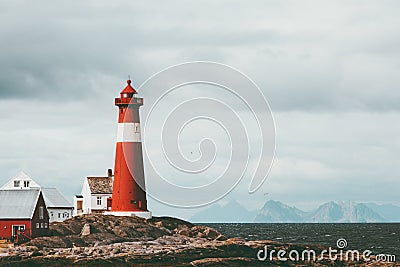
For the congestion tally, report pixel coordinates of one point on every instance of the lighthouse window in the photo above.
(98, 201)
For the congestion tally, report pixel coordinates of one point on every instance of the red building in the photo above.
(23, 214)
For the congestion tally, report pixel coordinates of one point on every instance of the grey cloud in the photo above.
(330, 71)
(303, 60)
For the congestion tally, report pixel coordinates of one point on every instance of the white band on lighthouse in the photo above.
(129, 132)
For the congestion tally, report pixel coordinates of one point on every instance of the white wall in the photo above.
(87, 207)
(90, 200)
(59, 215)
(103, 205)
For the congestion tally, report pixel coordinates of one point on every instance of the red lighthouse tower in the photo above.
(129, 195)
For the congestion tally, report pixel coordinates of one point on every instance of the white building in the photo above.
(94, 195)
(58, 207)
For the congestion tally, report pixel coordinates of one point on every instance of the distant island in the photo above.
(278, 212)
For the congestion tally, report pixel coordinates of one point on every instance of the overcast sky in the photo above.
(330, 71)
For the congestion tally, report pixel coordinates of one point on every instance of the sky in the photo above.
(330, 71)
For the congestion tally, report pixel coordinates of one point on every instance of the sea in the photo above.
(380, 238)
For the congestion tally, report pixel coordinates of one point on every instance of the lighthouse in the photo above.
(129, 195)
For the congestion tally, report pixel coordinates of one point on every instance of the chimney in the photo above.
(109, 173)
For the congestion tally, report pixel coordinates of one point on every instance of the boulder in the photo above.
(85, 230)
(211, 233)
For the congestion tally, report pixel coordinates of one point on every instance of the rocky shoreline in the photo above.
(98, 240)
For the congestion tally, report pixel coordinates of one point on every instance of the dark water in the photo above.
(377, 237)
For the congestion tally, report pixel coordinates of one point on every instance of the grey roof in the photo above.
(54, 199)
(18, 204)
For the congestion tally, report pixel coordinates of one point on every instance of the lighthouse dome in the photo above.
(128, 91)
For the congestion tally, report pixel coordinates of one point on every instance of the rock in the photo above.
(169, 222)
(221, 238)
(85, 230)
(35, 254)
(235, 240)
(200, 235)
(235, 261)
(211, 233)
(168, 250)
(90, 229)
(134, 241)
(159, 224)
(184, 232)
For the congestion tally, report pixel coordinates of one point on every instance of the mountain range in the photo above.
(231, 212)
(278, 212)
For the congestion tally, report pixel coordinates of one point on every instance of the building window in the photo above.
(41, 225)
(41, 212)
(26, 183)
(16, 183)
(51, 214)
(37, 225)
(98, 201)
(59, 215)
(45, 225)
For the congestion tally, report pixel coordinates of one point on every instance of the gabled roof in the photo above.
(54, 199)
(100, 185)
(20, 177)
(18, 204)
